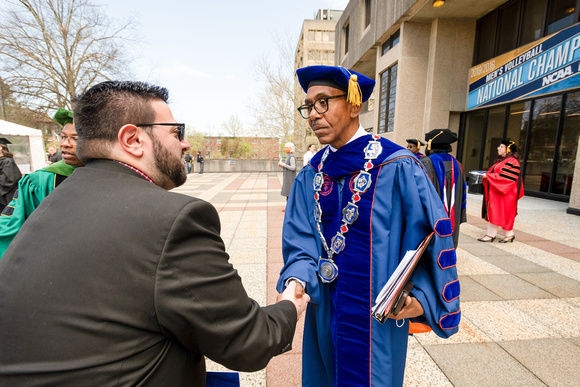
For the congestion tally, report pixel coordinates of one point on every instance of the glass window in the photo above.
(508, 27)
(367, 13)
(386, 47)
(346, 37)
(542, 142)
(533, 21)
(325, 35)
(390, 43)
(395, 38)
(332, 36)
(518, 124)
(486, 29)
(310, 34)
(494, 134)
(568, 148)
(560, 14)
(388, 99)
(472, 140)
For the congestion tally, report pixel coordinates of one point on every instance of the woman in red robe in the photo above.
(502, 189)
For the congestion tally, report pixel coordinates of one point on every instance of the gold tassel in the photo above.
(354, 95)
(429, 142)
(418, 144)
(509, 146)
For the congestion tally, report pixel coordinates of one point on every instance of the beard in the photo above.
(168, 165)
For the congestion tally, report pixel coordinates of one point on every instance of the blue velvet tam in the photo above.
(334, 76)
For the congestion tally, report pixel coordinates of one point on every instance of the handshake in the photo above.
(295, 292)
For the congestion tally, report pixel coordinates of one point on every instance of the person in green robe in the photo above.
(34, 187)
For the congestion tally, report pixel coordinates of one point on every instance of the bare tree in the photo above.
(14, 111)
(233, 126)
(52, 50)
(275, 111)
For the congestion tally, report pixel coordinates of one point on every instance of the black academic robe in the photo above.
(454, 185)
(9, 177)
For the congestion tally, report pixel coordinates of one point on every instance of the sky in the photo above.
(205, 52)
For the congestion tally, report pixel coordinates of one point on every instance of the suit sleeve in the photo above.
(200, 300)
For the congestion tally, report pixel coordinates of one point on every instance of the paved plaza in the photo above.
(520, 301)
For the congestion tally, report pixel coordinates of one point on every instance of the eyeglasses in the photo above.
(320, 105)
(63, 137)
(180, 128)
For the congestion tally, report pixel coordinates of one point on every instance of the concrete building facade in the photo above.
(315, 47)
(452, 67)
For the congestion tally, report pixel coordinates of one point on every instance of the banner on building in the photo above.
(547, 65)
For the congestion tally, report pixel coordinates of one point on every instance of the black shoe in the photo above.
(489, 239)
(508, 239)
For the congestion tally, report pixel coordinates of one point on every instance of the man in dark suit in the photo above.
(115, 281)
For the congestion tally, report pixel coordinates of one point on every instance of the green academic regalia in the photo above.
(32, 189)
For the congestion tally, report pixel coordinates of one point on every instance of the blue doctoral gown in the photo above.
(343, 344)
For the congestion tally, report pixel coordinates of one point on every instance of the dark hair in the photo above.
(515, 155)
(103, 109)
(6, 152)
(439, 148)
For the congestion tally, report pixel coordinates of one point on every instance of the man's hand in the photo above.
(295, 293)
(412, 308)
(281, 164)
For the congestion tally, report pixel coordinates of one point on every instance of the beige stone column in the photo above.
(450, 56)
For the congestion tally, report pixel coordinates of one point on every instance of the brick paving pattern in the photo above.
(520, 301)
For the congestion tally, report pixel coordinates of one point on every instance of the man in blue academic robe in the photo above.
(352, 214)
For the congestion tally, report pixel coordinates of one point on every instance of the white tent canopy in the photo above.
(12, 129)
(35, 144)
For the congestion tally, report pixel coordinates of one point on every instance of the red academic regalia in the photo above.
(502, 189)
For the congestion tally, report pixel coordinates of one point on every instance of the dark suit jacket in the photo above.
(115, 281)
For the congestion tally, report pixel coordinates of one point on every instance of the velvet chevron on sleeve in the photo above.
(502, 188)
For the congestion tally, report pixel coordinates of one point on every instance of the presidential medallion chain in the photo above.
(327, 269)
